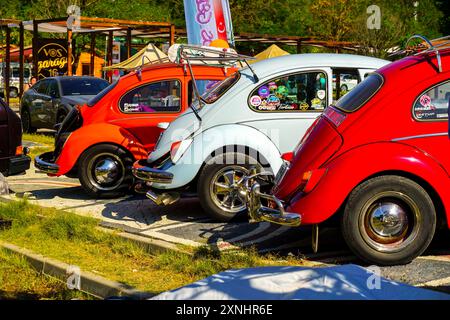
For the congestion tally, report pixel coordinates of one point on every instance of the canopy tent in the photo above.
(271, 52)
(148, 55)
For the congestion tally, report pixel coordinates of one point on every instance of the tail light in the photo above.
(178, 149)
(310, 179)
(19, 150)
(287, 156)
(335, 116)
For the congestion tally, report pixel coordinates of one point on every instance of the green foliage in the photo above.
(325, 19)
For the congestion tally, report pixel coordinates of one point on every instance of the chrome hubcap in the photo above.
(227, 190)
(106, 171)
(390, 221)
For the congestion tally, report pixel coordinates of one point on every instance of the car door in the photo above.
(285, 106)
(38, 104)
(52, 105)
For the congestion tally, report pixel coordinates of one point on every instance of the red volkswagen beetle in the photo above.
(380, 158)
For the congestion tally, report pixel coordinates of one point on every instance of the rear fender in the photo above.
(350, 169)
(87, 136)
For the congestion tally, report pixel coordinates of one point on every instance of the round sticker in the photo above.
(273, 87)
(304, 106)
(321, 94)
(273, 101)
(255, 101)
(264, 92)
(425, 100)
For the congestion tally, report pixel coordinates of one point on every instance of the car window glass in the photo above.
(203, 86)
(42, 88)
(217, 91)
(305, 91)
(361, 93)
(164, 96)
(433, 104)
(344, 80)
(53, 90)
(81, 86)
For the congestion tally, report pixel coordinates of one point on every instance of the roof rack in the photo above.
(427, 46)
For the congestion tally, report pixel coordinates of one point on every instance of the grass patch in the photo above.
(45, 143)
(77, 240)
(18, 280)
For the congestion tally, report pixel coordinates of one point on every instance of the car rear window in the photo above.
(82, 86)
(362, 93)
(101, 94)
(218, 90)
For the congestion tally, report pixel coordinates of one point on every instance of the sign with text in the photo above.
(208, 20)
(51, 58)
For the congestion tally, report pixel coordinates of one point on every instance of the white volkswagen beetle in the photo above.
(252, 117)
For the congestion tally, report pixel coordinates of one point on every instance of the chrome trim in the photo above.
(421, 136)
(163, 199)
(149, 174)
(45, 165)
(258, 212)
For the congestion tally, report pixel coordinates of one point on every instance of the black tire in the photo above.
(411, 221)
(26, 122)
(122, 179)
(210, 173)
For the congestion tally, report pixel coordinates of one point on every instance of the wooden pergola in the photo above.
(87, 25)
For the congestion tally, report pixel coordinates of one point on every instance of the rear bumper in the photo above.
(44, 163)
(141, 170)
(18, 164)
(259, 212)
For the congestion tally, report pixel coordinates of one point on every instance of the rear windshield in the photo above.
(101, 94)
(217, 90)
(356, 98)
(82, 86)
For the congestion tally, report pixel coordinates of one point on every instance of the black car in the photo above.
(49, 101)
(13, 158)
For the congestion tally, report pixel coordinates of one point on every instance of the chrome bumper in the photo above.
(258, 212)
(44, 163)
(142, 171)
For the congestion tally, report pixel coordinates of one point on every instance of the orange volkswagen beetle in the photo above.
(99, 141)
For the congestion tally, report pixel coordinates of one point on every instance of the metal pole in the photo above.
(21, 59)
(8, 63)
(92, 64)
(35, 44)
(172, 34)
(69, 52)
(109, 53)
(128, 43)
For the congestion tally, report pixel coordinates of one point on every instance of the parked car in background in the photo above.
(14, 81)
(380, 157)
(48, 101)
(99, 141)
(13, 157)
(240, 122)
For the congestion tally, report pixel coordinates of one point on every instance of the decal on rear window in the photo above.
(305, 91)
(433, 104)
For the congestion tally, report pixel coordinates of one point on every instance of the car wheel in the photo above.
(26, 122)
(105, 171)
(13, 93)
(220, 188)
(389, 220)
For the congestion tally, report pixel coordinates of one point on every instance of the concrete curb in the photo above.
(86, 282)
